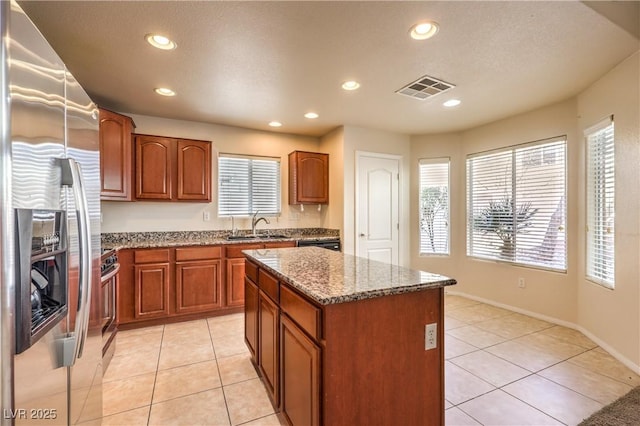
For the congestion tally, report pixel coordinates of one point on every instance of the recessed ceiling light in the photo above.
(275, 124)
(160, 41)
(164, 91)
(350, 85)
(423, 30)
(311, 115)
(451, 103)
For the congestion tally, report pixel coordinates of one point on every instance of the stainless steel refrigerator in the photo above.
(50, 324)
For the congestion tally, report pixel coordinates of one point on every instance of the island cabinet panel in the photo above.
(305, 313)
(268, 346)
(308, 178)
(251, 302)
(115, 156)
(388, 334)
(198, 286)
(300, 375)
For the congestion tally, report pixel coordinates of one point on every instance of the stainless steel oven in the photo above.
(109, 281)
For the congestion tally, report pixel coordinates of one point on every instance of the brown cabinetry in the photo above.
(329, 372)
(198, 279)
(308, 178)
(235, 269)
(115, 156)
(300, 375)
(151, 273)
(251, 303)
(172, 169)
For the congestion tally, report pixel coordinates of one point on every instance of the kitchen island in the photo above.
(341, 340)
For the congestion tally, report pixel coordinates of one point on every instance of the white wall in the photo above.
(360, 139)
(613, 316)
(142, 216)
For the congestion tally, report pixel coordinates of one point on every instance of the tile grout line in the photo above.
(155, 377)
(224, 395)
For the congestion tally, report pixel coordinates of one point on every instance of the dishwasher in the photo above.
(328, 243)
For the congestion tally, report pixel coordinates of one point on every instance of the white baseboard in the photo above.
(612, 351)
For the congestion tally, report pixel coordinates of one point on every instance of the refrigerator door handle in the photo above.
(72, 176)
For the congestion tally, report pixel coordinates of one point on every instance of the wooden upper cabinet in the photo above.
(194, 170)
(115, 156)
(308, 178)
(153, 167)
(172, 169)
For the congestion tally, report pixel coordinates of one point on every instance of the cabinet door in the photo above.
(198, 286)
(115, 156)
(308, 178)
(194, 170)
(251, 301)
(235, 282)
(300, 375)
(153, 167)
(151, 290)
(268, 343)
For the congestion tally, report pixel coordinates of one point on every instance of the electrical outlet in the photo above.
(206, 216)
(521, 283)
(430, 336)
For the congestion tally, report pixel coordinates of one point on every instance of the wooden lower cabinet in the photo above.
(300, 375)
(353, 363)
(268, 343)
(198, 286)
(151, 290)
(235, 282)
(251, 303)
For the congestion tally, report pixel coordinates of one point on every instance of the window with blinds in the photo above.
(516, 204)
(600, 204)
(248, 184)
(434, 206)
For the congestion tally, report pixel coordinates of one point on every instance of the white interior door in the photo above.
(377, 204)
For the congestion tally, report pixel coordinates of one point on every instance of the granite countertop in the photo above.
(131, 240)
(329, 277)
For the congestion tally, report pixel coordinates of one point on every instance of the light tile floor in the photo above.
(501, 368)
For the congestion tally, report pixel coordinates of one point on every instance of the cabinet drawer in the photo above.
(280, 244)
(251, 271)
(151, 256)
(198, 253)
(269, 284)
(236, 250)
(302, 312)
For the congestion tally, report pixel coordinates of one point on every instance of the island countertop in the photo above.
(329, 277)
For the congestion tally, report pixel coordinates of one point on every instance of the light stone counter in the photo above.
(132, 240)
(329, 277)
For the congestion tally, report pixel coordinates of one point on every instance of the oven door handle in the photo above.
(72, 175)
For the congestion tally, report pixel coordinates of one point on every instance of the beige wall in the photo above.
(547, 293)
(613, 316)
(333, 144)
(155, 216)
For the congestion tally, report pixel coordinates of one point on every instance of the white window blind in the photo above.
(516, 201)
(601, 204)
(247, 184)
(434, 206)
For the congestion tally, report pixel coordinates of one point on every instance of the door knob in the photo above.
(362, 235)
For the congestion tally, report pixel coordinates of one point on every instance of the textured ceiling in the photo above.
(247, 63)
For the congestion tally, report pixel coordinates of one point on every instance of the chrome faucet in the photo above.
(255, 221)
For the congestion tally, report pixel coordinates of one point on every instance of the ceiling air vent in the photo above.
(425, 87)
